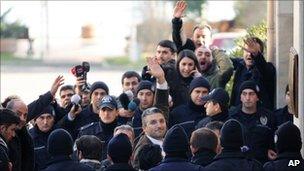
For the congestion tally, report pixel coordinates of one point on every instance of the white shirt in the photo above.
(157, 142)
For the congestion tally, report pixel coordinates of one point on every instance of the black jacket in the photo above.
(282, 115)
(120, 167)
(85, 117)
(21, 151)
(67, 164)
(203, 157)
(42, 157)
(258, 131)
(233, 161)
(176, 164)
(101, 130)
(4, 158)
(177, 25)
(222, 117)
(285, 162)
(262, 72)
(187, 112)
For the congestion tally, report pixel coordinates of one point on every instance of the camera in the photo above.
(81, 71)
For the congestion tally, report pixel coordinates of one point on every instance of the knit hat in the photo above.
(60, 142)
(176, 141)
(149, 156)
(218, 95)
(232, 135)
(144, 84)
(250, 85)
(288, 138)
(49, 110)
(108, 101)
(199, 82)
(99, 84)
(120, 148)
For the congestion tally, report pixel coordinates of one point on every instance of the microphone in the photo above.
(133, 104)
(75, 100)
(124, 100)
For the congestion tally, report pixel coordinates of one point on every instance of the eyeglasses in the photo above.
(66, 95)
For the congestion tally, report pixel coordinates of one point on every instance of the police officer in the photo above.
(104, 128)
(259, 123)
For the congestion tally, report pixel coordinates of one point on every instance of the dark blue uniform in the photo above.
(258, 131)
(67, 164)
(176, 164)
(282, 115)
(101, 130)
(232, 161)
(40, 147)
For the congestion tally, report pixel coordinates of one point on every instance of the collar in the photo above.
(157, 142)
(2, 142)
(89, 161)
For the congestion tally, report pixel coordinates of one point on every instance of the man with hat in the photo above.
(76, 119)
(120, 152)
(259, 123)
(60, 147)
(288, 145)
(231, 156)
(104, 127)
(216, 107)
(194, 109)
(176, 147)
(44, 125)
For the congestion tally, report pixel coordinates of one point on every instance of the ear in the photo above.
(2, 128)
(218, 107)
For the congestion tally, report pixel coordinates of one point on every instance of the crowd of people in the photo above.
(175, 116)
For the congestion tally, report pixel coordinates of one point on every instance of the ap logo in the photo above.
(293, 163)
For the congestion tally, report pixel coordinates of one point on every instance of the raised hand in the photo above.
(80, 82)
(155, 69)
(252, 46)
(56, 84)
(179, 9)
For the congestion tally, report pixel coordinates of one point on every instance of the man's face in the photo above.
(130, 84)
(146, 98)
(155, 126)
(107, 115)
(204, 57)
(97, 95)
(201, 36)
(186, 66)
(163, 54)
(211, 108)
(85, 98)
(65, 97)
(8, 132)
(21, 109)
(45, 122)
(197, 94)
(249, 98)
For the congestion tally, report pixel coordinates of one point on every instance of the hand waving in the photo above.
(179, 9)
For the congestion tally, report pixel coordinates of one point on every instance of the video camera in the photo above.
(81, 71)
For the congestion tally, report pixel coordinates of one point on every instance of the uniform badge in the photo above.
(263, 120)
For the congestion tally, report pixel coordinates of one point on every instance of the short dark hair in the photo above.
(190, 54)
(90, 147)
(66, 87)
(215, 125)
(130, 74)
(168, 44)
(149, 111)
(204, 138)
(8, 117)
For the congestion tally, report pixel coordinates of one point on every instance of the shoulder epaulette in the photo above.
(86, 126)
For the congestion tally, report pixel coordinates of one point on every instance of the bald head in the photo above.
(19, 107)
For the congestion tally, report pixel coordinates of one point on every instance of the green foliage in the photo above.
(12, 30)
